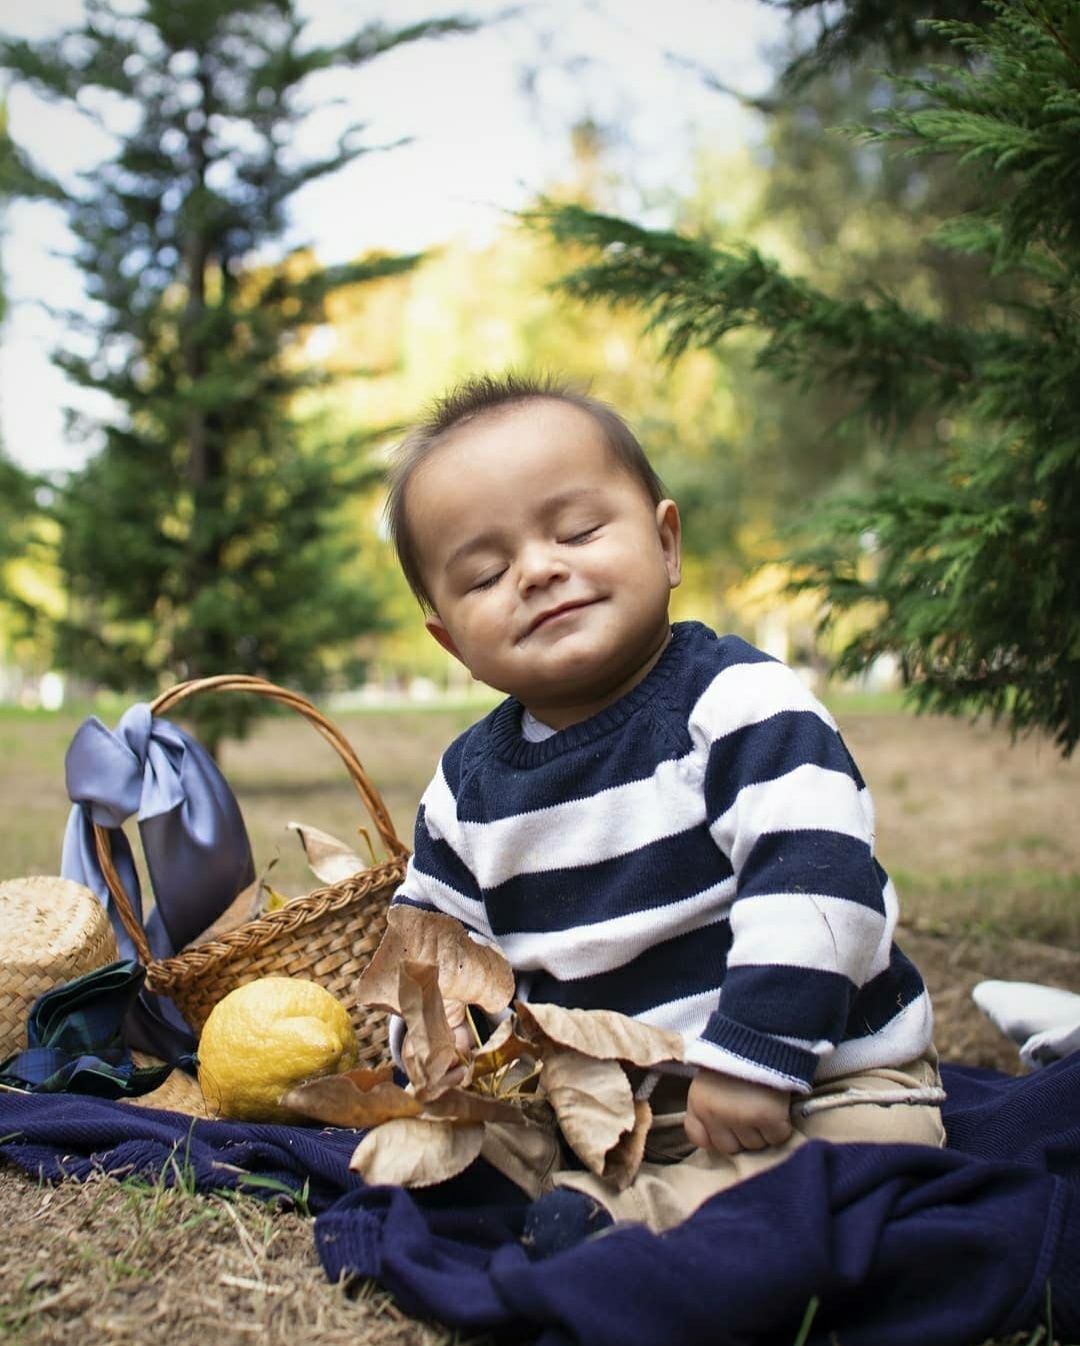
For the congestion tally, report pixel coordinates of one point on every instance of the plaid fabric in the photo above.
(75, 1042)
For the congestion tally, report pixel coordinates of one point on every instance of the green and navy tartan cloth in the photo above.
(75, 1040)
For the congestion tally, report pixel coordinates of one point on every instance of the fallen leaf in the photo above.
(329, 858)
(476, 974)
(367, 1077)
(463, 1105)
(413, 1152)
(527, 1155)
(273, 900)
(603, 1034)
(623, 1161)
(500, 1049)
(593, 1102)
(428, 1052)
(338, 1100)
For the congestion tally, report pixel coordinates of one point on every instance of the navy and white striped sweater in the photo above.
(699, 855)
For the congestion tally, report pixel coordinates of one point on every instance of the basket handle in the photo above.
(242, 682)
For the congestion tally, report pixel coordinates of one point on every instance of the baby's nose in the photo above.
(540, 563)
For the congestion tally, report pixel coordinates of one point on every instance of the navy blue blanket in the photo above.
(900, 1246)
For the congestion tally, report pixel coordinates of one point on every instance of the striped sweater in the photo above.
(699, 855)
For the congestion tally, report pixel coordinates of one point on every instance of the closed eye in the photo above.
(487, 582)
(581, 537)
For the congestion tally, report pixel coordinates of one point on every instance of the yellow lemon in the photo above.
(267, 1036)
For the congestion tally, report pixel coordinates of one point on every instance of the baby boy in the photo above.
(657, 819)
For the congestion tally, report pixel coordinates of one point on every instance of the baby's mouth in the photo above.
(552, 613)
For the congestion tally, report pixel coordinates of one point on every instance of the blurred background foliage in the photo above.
(770, 330)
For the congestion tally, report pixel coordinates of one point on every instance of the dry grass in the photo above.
(133, 1263)
(979, 833)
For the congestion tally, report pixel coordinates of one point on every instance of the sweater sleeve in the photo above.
(813, 912)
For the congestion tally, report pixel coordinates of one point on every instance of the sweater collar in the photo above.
(511, 747)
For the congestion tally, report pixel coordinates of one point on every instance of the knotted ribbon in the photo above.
(193, 837)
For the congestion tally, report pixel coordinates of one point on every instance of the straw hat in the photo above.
(51, 931)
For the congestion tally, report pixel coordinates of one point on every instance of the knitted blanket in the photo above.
(898, 1245)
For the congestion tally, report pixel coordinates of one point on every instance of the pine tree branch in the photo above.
(698, 294)
(1042, 17)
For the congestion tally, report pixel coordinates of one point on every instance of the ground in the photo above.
(980, 834)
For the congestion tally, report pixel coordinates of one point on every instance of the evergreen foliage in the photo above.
(965, 558)
(898, 31)
(206, 535)
(17, 505)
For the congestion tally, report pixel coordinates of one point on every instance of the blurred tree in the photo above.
(206, 533)
(850, 218)
(17, 503)
(896, 31)
(969, 555)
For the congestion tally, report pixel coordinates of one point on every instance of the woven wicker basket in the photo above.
(327, 936)
(51, 931)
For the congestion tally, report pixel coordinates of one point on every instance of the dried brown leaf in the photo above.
(527, 1155)
(458, 1078)
(500, 1049)
(329, 858)
(367, 1077)
(476, 974)
(605, 1035)
(338, 1100)
(463, 1105)
(520, 1077)
(624, 1159)
(428, 1052)
(415, 1152)
(593, 1102)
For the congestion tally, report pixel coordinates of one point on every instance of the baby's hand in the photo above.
(728, 1114)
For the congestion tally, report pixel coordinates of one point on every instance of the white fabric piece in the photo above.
(1044, 1021)
(534, 730)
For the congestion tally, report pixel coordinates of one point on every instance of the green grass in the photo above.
(1031, 903)
(849, 702)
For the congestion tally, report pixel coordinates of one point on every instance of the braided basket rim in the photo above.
(204, 960)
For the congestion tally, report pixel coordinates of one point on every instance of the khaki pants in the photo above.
(884, 1105)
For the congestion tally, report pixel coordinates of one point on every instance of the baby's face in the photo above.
(548, 566)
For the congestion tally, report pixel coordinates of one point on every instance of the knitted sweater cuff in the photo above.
(753, 1055)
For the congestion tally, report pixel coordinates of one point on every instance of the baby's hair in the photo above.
(488, 395)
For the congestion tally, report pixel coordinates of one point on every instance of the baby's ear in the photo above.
(443, 636)
(669, 527)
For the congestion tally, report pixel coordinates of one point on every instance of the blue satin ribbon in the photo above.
(193, 837)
